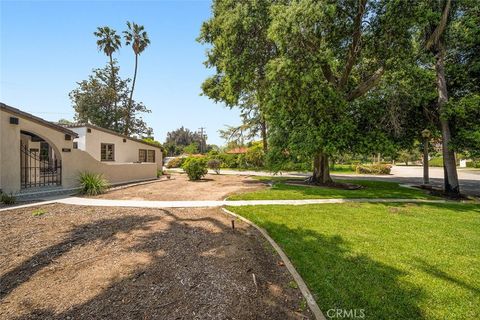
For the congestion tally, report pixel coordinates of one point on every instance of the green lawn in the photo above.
(343, 168)
(373, 189)
(410, 261)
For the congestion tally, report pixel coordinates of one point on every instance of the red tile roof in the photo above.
(239, 150)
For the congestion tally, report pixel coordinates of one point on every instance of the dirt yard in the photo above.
(212, 187)
(71, 262)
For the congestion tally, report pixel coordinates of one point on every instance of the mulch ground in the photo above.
(212, 187)
(71, 262)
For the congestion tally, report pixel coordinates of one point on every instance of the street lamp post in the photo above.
(426, 134)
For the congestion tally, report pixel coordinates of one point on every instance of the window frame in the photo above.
(106, 145)
(149, 152)
(144, 159)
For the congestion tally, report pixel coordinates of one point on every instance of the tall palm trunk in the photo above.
(451, 184)
(129, 108)
(112, 80)
(321, 170)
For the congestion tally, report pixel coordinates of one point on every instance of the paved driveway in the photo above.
(469, 178)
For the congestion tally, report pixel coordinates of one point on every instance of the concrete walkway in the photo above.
(207, 203)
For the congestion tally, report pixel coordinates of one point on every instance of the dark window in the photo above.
(107, 152)
(75, 145)
(151, 156)
(142, 155)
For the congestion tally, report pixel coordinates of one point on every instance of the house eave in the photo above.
(31, 117)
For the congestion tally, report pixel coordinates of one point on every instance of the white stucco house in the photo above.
(38, 156)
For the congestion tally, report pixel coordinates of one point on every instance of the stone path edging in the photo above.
(312, 304)
(207, 203)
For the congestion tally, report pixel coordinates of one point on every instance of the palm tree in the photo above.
(109, 42)
(138, 38)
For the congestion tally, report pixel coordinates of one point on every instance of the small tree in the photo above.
(196, 168)
(215, 165)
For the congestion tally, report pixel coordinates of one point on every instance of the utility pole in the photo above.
(203, 139)
(426, 134)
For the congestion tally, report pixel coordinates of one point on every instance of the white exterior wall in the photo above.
(74, 161)
(10, 137)
(125, 152)
(81, 137)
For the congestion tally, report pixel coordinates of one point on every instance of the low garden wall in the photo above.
(114, 172)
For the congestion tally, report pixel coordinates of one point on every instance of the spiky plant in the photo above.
(92, 184)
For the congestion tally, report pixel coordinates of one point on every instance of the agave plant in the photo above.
(92, 183)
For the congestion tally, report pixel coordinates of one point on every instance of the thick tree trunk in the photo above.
(112, 80)
(426, 178)
(451, 184)
(321, 171)
(129, 108)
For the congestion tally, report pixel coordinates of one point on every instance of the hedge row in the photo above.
(373, 169)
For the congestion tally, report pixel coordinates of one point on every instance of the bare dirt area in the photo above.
(73, 262)
(212, 187)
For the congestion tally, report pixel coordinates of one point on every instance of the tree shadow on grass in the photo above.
(370, 189)
(438, 273)
(451, 206)
(198, 269)
(343, 279)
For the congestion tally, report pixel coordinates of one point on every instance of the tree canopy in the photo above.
(356, 76)
(93, 103)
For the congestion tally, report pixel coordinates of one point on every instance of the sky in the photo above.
(48, 46)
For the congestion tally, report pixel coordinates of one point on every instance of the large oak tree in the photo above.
(330, 53)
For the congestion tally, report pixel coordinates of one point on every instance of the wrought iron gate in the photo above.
(38, 172)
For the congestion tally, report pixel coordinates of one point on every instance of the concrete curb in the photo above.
(312, 304)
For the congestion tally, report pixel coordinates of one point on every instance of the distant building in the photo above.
(239, 150)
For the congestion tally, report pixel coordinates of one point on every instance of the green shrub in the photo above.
(228, 160)
(38, 212)
(436, 162)
(195, 168)
(175, 162)
(215, 165)
(255, 157)
(8, 199)
(159, 173)
(92, 183)
(373, 169)
(242, 161)
(473, 164)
